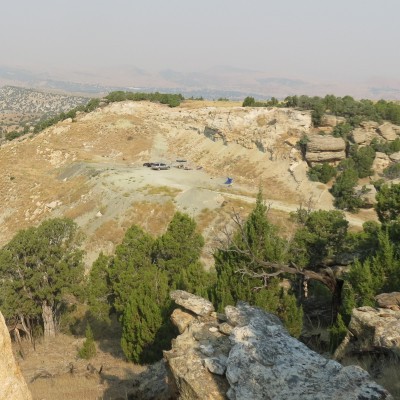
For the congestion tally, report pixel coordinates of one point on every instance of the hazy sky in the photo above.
(335, 39)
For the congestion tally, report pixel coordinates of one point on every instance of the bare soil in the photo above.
(54, 371)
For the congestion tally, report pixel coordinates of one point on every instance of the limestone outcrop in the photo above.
(381, 161)
(389, 300)
(246, 353)
(389, 131)
(328, 120)
(370, 330)
(370, 130)
(325, 148)
(257, 127)
(395, 157)
(12, 383)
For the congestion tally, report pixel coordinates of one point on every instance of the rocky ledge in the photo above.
(12, 383)
(246, 353)
(373, 329)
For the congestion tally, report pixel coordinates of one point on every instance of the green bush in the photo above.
(363, 159)
(88, 350)
(392, 171)
(386, 147)
(173, 100)
(321, 173)
(337, 333)
(343, 191)
(248, 102)
(342, 130)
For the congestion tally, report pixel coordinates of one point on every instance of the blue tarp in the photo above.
(229, 181)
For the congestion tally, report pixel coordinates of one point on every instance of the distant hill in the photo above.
(211, 83)
(29, 101)
(20, 106)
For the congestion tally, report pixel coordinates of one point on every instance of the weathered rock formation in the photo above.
(389, 300)
(328, 120)
(370, 130)
(246, 353)
(370, 330)
(381, 161)
(325, 148)
(12, 383)
(261, 128)
(395, 157)
(389, 131)
(364, 134)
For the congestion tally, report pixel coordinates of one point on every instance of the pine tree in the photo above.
(362, 282)
(133, 254)
(178, 252)
(88, 350)
(99, 288)
(144, 317)
(258, 240)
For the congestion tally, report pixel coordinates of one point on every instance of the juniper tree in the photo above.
(241, 274)
(38, 268)
(178, 251)
(133, 254)
(99, 289)
(146, 329)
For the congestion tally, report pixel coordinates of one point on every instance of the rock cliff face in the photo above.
(327, 148)
(261, 128)
(12, 383)
(246, 353)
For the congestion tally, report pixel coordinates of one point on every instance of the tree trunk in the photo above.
(336, 299)
(48, 321)
(25, 328)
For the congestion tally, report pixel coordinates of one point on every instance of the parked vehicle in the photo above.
(159, 166)
(148, 164)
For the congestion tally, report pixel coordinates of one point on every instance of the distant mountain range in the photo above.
(213, 83)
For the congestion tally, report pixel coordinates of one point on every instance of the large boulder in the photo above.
(388, 131)
(370, 330)
(318, 143)
(395, 157)
(329, 120)
(248, 354)
(381, 162)
(389, 300)
(193, 303)
(325, 148)
(364, 136)
(12, 383)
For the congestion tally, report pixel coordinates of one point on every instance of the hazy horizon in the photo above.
(333, 45)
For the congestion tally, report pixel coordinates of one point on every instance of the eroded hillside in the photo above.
(91, 169)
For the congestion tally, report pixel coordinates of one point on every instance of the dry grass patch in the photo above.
(193, 104)
(161, 190)
(110, 231)
(152, 217)
(68, 387)
(80, 209)
(205, 218)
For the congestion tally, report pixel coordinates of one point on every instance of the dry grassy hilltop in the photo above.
(91, 169)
